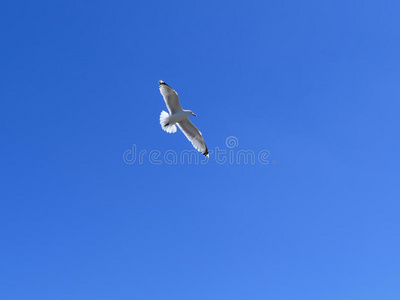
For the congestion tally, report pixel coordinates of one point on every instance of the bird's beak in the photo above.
(194, 115)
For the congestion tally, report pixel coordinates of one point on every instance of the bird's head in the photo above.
(193, 114)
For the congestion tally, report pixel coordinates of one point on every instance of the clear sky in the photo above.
(316, 84)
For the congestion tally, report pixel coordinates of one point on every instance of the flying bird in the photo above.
(179, 116)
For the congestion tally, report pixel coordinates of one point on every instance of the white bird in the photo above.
(179, 116)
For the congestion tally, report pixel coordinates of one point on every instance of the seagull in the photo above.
(179, 116)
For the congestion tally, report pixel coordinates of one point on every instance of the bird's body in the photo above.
(179, 116)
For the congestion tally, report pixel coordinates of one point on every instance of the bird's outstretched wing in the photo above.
(194, 136)
(170, 97)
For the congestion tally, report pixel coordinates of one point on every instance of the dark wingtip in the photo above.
(206, 153)
(160, 82)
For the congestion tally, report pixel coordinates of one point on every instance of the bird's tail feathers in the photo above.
(164, 119)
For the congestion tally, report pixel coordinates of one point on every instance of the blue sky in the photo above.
(316, 83)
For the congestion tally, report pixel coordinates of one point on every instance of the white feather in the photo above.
(164, 119)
